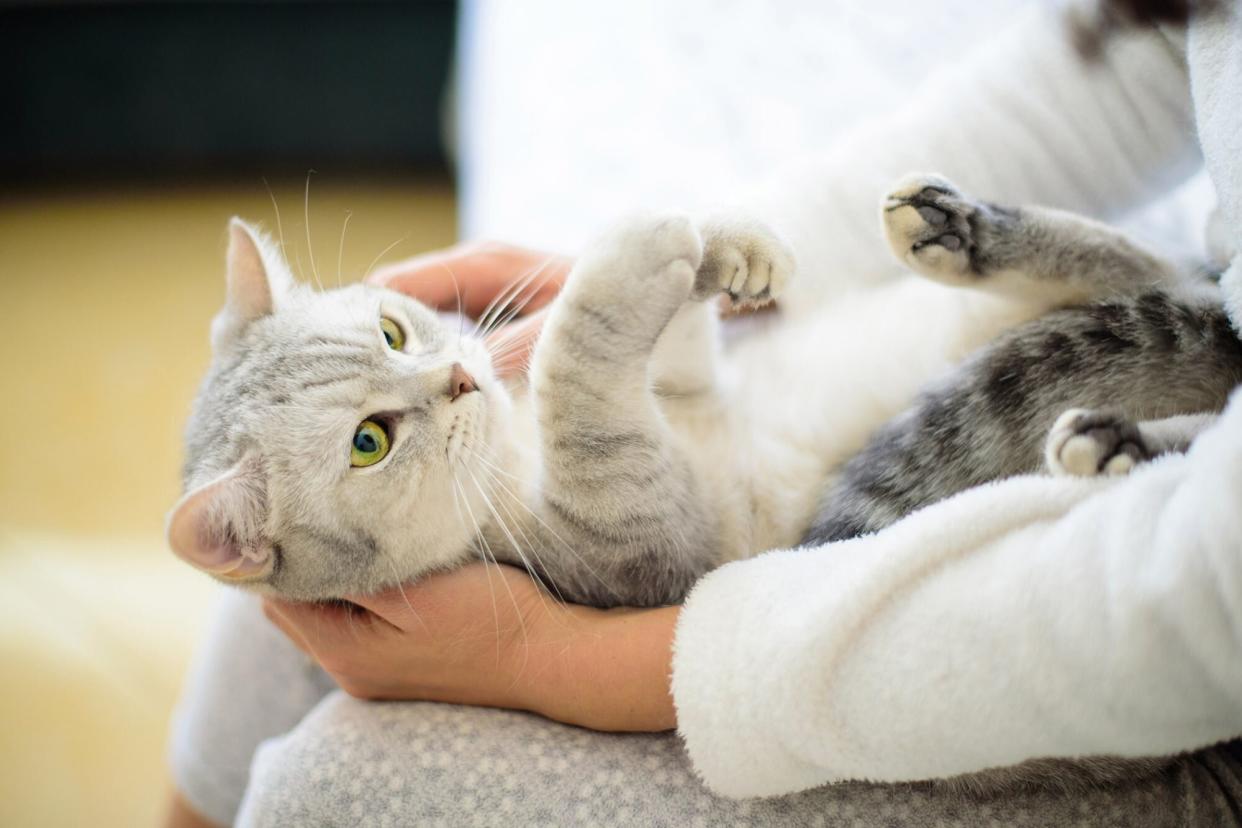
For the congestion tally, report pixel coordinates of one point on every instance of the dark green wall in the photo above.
(209, 87)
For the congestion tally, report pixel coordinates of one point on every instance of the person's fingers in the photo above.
(321, 630)
(437, 599)
(432, 278)
(477, 275)
(511, 345)
(393, 606)
(275, 614)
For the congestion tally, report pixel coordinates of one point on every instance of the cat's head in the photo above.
(335, 440)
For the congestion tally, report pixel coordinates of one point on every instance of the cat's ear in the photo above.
(218, 527)
(249, 289)
(255, 277)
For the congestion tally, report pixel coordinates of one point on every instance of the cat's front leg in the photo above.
(627, 521)
(743, 259)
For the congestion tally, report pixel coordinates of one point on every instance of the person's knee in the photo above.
(352, 761)
(303, 777)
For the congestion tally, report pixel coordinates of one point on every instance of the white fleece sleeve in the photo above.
(1033, 617)
(1022, 120)
(1024, 619)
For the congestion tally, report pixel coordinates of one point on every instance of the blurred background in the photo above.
(133, 130)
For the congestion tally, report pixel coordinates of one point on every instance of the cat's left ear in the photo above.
(256, 278)
(218, 527)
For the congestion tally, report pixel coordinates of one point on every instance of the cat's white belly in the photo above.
(799, 398)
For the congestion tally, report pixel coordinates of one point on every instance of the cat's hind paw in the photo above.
(1085, 443)
(933, 228)
(743, 259)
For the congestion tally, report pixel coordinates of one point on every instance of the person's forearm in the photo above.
(604, 670)
(1036, 617)
(1023, 120)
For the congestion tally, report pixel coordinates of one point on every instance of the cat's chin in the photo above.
(343, 590)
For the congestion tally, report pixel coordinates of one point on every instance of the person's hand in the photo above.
(489, 635)
(503, 286)
(451, 636)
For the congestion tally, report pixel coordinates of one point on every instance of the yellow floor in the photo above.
(106, 300)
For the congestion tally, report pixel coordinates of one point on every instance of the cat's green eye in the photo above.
(370, 444)
(392, 334)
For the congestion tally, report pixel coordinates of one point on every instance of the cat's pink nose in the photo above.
(460, 382)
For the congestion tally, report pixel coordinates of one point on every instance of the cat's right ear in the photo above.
(255, 279)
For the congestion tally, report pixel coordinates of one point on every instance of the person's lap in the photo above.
(366, 763)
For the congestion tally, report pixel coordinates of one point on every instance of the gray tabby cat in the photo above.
(350, 440)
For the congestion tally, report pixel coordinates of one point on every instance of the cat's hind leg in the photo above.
(1026, 252)
(1087, 443)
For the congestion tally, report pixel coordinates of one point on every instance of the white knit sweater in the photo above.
(1034, 617)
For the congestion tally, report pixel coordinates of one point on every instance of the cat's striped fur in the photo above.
(1146, 365)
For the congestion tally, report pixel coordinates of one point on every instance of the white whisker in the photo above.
(478, 533)
(564, 544)
(340, 250)
(513, 311)
(381, 255)
(503, 343)
(501, 298)
(550, 585)
(501, 354)
(280, 230)
(456, 289)
(512, 598)
(517, 547)
(498, 305)
(310, 251)
(297, 258)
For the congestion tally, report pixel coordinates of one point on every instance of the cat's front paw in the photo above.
(647, 260)
(651, 243)
(1085, 443)
(743, 259)
(934, 228)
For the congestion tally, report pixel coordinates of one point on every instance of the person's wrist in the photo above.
(600, 669)
(650, 642)
(546, 664)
